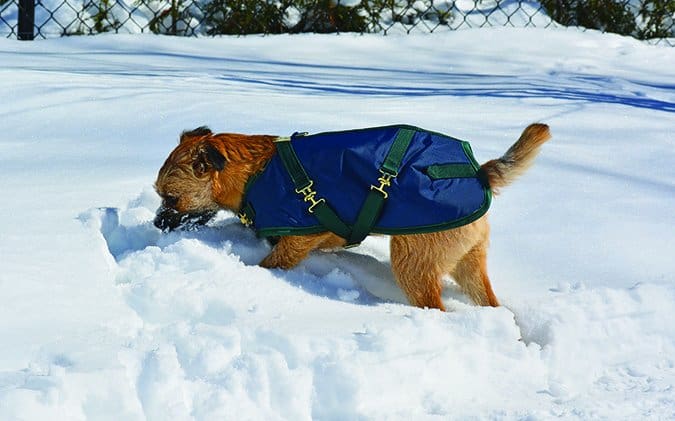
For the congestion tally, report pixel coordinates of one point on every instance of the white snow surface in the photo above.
(102, 317)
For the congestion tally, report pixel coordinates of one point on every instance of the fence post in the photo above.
(174, 16)
(26, 20)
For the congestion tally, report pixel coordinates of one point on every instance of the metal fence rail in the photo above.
(28, 19)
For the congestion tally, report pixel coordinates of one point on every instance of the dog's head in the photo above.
(186, 180)
(207, 172)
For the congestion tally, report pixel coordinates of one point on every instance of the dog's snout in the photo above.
(170, 202)
(166, 219)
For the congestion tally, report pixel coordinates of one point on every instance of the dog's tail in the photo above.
(503, 171)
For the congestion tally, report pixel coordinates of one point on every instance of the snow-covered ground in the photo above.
(103, 317)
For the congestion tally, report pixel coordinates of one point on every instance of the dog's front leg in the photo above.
(292, 249)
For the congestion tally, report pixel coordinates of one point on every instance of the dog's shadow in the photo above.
(347, 276)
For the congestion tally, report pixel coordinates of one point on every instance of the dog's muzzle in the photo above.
(168, 219)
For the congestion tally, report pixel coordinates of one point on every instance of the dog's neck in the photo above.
(246, 156)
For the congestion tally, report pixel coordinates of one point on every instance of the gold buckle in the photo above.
(289, 138)
(385, 181)
(245, 219)
(309, 195)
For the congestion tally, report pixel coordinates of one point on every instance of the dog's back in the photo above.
(437, 185)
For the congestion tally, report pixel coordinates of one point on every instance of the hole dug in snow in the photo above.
(143, 253)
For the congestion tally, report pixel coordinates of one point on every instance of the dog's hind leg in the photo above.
(471, 275)
(419, 262)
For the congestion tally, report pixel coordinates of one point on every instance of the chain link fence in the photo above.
(25, 19)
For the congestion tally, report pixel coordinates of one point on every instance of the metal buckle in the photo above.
(289, 138)
(385, 181)
(309, 195)
(245, 219)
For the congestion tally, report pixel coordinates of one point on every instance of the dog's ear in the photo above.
(191, 134)
(214, 157)
(208, 159)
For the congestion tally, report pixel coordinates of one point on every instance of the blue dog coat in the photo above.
(388, 180)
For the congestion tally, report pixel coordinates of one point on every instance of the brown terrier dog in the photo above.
(207, 172)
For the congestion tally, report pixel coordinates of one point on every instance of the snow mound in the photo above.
(321, 341)
(217, 334)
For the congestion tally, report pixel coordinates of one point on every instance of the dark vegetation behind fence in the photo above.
(26, 19)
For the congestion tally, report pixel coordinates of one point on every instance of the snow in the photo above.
(104, 317)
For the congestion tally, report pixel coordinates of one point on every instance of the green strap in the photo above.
(368, 215)
(372, 206)
(329, 219)
(436, 172)
(292, 163)
(303, 185)
(398, 148)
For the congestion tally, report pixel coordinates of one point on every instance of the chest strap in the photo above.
(372, 206)
(303, 186)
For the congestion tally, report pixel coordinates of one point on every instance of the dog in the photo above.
(207, 172)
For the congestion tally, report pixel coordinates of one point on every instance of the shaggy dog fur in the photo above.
(207, 172)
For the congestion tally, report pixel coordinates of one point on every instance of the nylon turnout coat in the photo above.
(389, 180)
